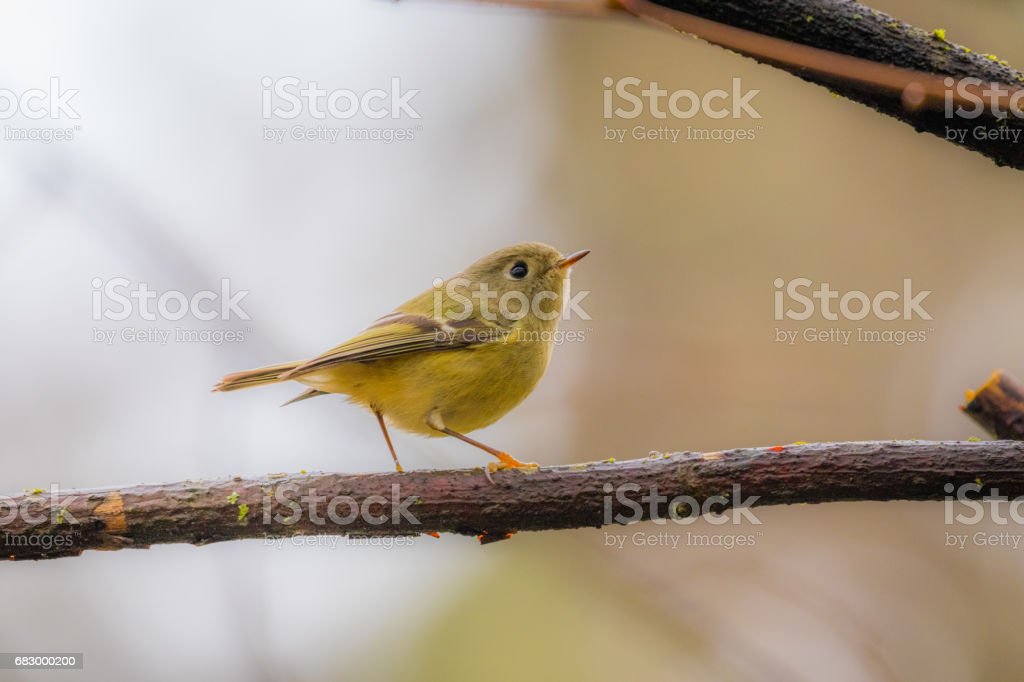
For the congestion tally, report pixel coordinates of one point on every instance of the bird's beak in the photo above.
(571, 259)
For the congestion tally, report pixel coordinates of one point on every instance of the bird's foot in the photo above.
(525, 466)
(507, 461)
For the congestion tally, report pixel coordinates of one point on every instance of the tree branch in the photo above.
(855, 51)
(48, 525)
(998, 406)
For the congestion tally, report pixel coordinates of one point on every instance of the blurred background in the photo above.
(169, 180)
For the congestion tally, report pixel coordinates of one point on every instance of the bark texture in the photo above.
(41, 525)
(998, 406)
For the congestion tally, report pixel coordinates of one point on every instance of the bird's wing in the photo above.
(399, 334)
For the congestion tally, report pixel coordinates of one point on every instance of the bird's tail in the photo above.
(254, 377)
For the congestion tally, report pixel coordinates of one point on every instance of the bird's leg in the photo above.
(384, 430)
(505, 460)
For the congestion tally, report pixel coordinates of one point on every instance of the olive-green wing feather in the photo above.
(394, 335)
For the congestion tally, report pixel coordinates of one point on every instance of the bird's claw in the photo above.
(508, 462)
(524, 466)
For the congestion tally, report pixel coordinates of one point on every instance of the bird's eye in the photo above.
(519, 270)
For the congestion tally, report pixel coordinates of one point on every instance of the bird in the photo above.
(453, 359)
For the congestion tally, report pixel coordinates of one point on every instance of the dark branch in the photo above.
(463, 501)
(998, 406)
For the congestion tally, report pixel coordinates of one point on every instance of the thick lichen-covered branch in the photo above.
(43, 524)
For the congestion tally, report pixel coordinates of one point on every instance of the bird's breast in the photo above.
(469, 388)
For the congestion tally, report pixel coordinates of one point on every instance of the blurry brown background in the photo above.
(169, 182)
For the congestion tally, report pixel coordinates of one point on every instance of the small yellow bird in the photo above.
(454, 359)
